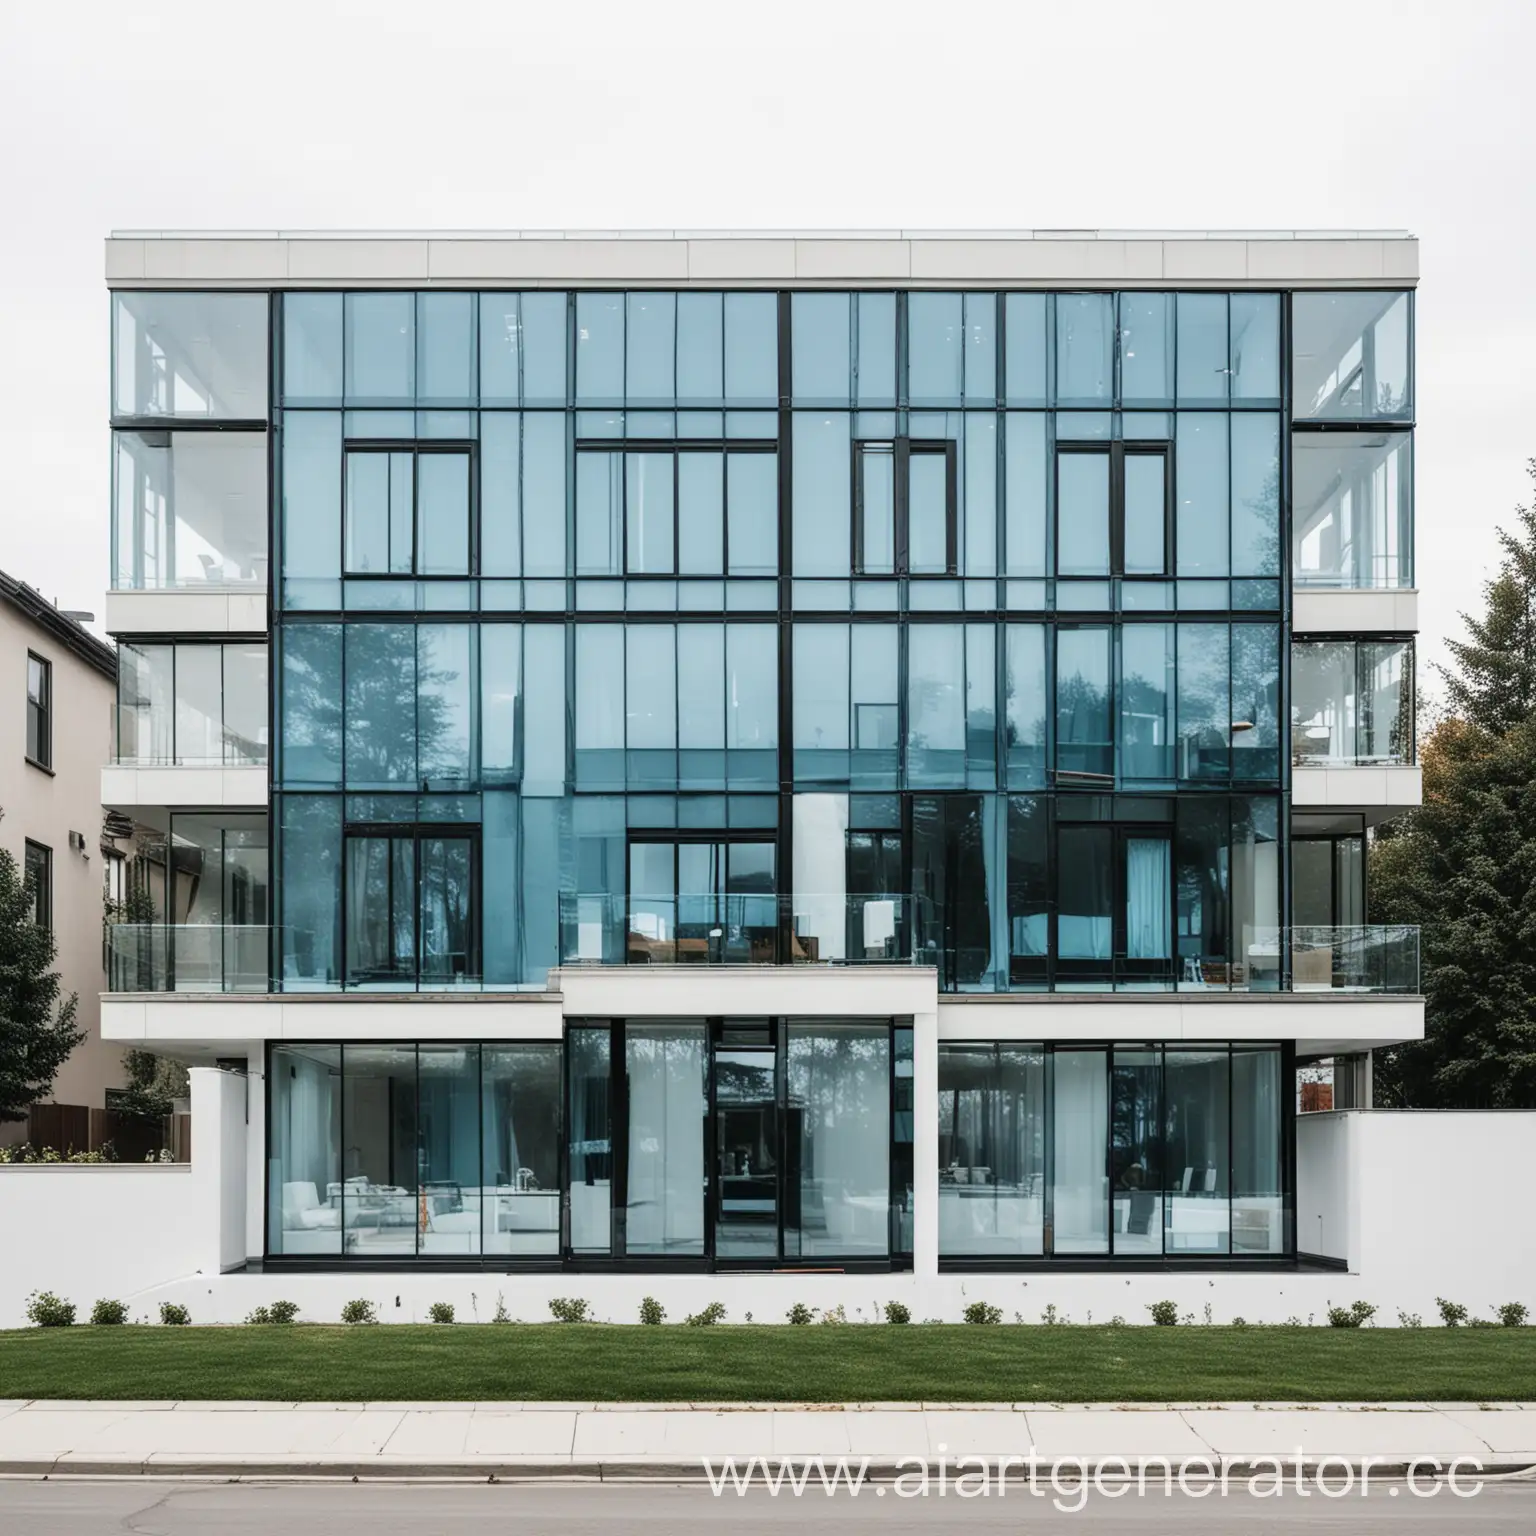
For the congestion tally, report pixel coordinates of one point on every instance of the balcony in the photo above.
(734, 930)
(188, 957)
(1379, 958)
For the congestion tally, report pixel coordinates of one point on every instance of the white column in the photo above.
(218, 1168)
(925, 1141)
(255, 1151)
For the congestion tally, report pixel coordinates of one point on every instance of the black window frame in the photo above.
(1117, 453)
(37, 868)
(39, 714)
(902, 450)
(417, 448)
(415, 832)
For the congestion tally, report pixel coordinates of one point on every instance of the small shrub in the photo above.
(1452, 1313)
(800, 1314)
(897, 1312)
(1512, 1314)
(1165, 1314)
(712, 1314)
(1355, 1315)
(275, 1312)
(983, 1312)
(107, 1312)
(1116, 1322)
(835, 1314)
(502, 1315)
(1050, 1317)
(1239, 1322)
(440, 1312)
(173, 1315)
(360, 1311)
(1481, 1322)
(1409, 1319)
(569, 1309)
(651, 1311)
(46, 1310)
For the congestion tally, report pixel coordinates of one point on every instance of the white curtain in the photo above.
(665, 1202)
(1147, 927)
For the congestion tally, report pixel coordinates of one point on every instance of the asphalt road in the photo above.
(143, 1508)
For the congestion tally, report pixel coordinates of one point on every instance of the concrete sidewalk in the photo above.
(658, 1440)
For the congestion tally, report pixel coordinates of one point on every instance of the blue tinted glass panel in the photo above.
(649, 511)
(700, 348)
(1204, 701)
(310, 891)
(1146, 348)
(980, 348)
(752, 692)
(979, 521)
(445, 348)
(501, 347)
(311, 449)
(599, 514)
(876, 361)
(1026, 477)
(544, 709)
(310, 728)
(1027, 705)
(1200, 490)
(1146, 702)
(752, 501)
(935, 348)
(1255, 342)
(501, 523)
(542, 339)
(1083, 734)
(650, 347)
(1085, 347)
(877, 509)
(1255, 494)
(820, 701)
(1025, 351)
(752, 348)
(822, 461)
(599, 706)
(700, 514)
(1082, 514)
(543, 504)
(928, 551)
(442, 513)
(936, 705)
(380, 347)
(819, 338)
(1146, 514)
(600, 346)
(445, 681)
(501, 711)
(1203, 355)
(381, 728)
(312, 348)
(1256, 701)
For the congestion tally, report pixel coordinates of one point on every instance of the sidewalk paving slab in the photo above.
(520, 1434)
(1401, 1436)
(1111, 1432)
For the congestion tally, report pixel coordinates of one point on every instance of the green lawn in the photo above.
(770, 1364)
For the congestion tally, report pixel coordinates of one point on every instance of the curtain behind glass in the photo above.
(1080, 1182)
(840, 1132)
(1258, 1200)
(304, 1150)
(519, 1101)
(1148, 930)
(664, 1067)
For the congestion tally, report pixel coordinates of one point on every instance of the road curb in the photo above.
(1067, 1469)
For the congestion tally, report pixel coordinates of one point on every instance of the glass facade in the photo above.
(1133, 1151)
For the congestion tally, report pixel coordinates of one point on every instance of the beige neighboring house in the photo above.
(58, 689)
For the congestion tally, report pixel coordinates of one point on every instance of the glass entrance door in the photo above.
(746, 1149)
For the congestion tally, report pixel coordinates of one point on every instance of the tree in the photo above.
(1463, 868)
(1493, 682)
(154, 1084)
(37, 1026)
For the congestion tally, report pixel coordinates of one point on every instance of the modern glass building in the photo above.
(756, 752)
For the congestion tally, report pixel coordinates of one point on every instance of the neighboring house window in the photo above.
(39, 711)
(39, 874)
(113, 866)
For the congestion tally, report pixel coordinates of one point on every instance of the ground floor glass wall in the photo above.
(1133, 1151)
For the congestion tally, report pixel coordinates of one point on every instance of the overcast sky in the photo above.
(592, 114)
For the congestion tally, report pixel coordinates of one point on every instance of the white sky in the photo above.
(835, 113)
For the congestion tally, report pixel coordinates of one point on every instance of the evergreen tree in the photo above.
(1463, 868)
(37, 1027)
(1493, 682)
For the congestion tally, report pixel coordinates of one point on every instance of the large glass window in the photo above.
(664, 1206)
(589, 1139)
(1351, 356)
(992, 1146)
(520, 1150)
(411, 908)
(1197, 1168)
(304, 1151)
(1352, 508)
(1080, 1179)
(1351, 702)
(189, 509)
(192, 704)
(838, 1140)
(190, 355)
